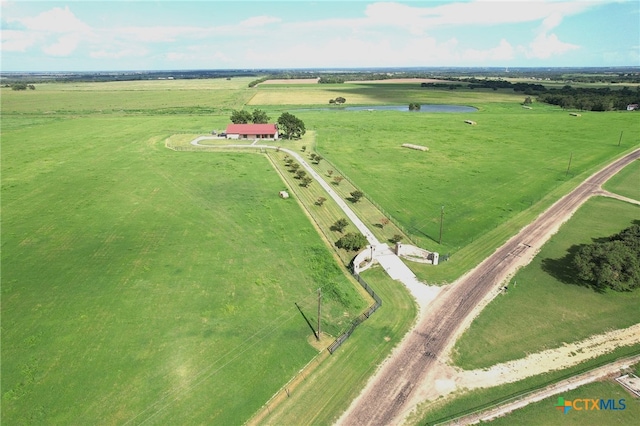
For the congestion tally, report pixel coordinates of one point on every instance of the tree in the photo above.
(339, 225)
(337, 180)
(320, 201)
(312, 156)
(294, 167)
(352, 241)
(300, 174)
(290, 126)
(241, 117)
(318, 159)
(414, 106)
(260, 117)
(611, 263)
(332, 101)
(340, 100)
(527, 100)
(356, 195)
(384, 222)
(396, 238)
(303, 148)
(329, 172)
(306, 180)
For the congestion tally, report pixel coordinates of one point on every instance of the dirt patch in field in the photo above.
(446, 379)
(292, 81)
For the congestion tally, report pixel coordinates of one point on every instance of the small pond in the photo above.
(423, 108)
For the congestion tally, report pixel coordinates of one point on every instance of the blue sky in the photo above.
(173, 35)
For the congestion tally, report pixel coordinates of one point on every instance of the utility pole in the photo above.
(441, 220)
(569, 166)
(319, 310)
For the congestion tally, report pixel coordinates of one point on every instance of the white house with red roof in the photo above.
(252, 131)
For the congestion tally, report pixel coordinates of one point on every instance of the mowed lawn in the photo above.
(544, 305)
(145, 285)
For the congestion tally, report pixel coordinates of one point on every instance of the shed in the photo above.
(283, 194)
(252, 131)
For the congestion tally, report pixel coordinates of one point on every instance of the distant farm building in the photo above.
(283, 194)
(632, 107)
(252, 131)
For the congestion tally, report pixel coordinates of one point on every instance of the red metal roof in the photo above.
(252, 129)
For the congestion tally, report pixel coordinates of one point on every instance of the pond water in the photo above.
(423, 108)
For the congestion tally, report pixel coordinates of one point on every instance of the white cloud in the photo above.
(65, 45)
(259, 21)
(132, 52)
(57, 23)
(17, 41)
(157, 34)
(56, 20)
(503, 52)
(545, 46)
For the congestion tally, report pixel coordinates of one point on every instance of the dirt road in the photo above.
(391, 394)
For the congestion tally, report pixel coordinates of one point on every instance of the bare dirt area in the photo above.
(401, 381)
(549, 360)
(291, 81)
(445, 379)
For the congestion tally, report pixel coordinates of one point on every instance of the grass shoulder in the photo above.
(340, 378)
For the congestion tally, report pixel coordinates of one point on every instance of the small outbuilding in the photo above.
(473, 123)
(283, 194)
(252, 131)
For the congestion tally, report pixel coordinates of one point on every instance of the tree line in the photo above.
(591, 99)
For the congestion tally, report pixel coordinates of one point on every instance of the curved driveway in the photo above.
(391, 263)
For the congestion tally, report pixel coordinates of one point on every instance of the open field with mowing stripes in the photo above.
(142, 284)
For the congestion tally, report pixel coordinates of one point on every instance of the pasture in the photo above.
(490, 178)
(544, 305)
(626, 182)
(545, 413)
(141, 284)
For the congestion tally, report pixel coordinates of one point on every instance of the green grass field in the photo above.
(323, 397)
(142, 284)
(544, 307)
(545, 413)
(483, 175)
(626, 182)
